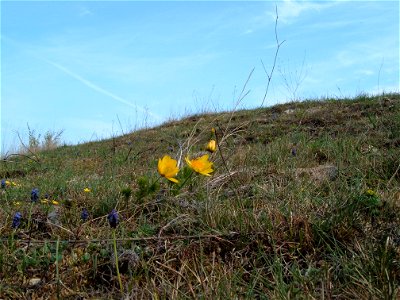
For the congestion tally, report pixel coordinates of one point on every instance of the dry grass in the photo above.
(269, 224)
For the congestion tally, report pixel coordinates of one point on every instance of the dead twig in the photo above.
(278, 46)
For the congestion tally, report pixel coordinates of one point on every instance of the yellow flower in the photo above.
(168, 168)
(8, 183)
(211, 146)
(44, 201)
(200, 165)
(54, 202)
(17, 203)
(86, 190)
(213, 130)
(370, 192)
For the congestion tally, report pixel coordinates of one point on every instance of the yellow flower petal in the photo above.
(168, 168)
(371, 192)
(172, 179)
(200, 165)
(211, 146)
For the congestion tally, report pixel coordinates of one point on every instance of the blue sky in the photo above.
(96, 69)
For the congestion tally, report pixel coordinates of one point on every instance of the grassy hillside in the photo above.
(303, 203)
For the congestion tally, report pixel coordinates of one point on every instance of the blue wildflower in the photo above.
(16, 220)
(35, 195)
(113, 218)
(84, 214)
(3, 183)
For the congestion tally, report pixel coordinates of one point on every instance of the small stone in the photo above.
(319, 173)
(127, 259)
(54, 216)
(34, 281)
(289, 111)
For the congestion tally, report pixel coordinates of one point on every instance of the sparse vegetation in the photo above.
(303, 203)
(36, 142)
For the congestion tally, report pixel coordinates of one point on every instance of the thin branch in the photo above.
(22, 155)
(27, 148)
(142, 239)
(170, 223)
(120, 125)
(393, 176)
(278, 45)
(224, 162)
(241, 95)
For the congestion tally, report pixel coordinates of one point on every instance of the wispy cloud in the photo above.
(83, 11)
(290, 10)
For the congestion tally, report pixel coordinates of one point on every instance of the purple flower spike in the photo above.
(84, 214)
(16, 220)
(113, 218)
(35, 195)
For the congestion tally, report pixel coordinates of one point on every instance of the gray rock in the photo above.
(54, 215)
(319, 173)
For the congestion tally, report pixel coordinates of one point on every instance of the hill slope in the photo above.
(303, 203)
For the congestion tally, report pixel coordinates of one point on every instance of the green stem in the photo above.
(29, 217)
(157, 180)
(57, 269)
(116, 262)
(11, 241)
(183, 183)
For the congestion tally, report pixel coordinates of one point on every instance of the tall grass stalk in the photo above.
(30, 216)
(116, 262)
(57, 268)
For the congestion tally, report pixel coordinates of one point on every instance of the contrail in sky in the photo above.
(97, 88)
(86, 82)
